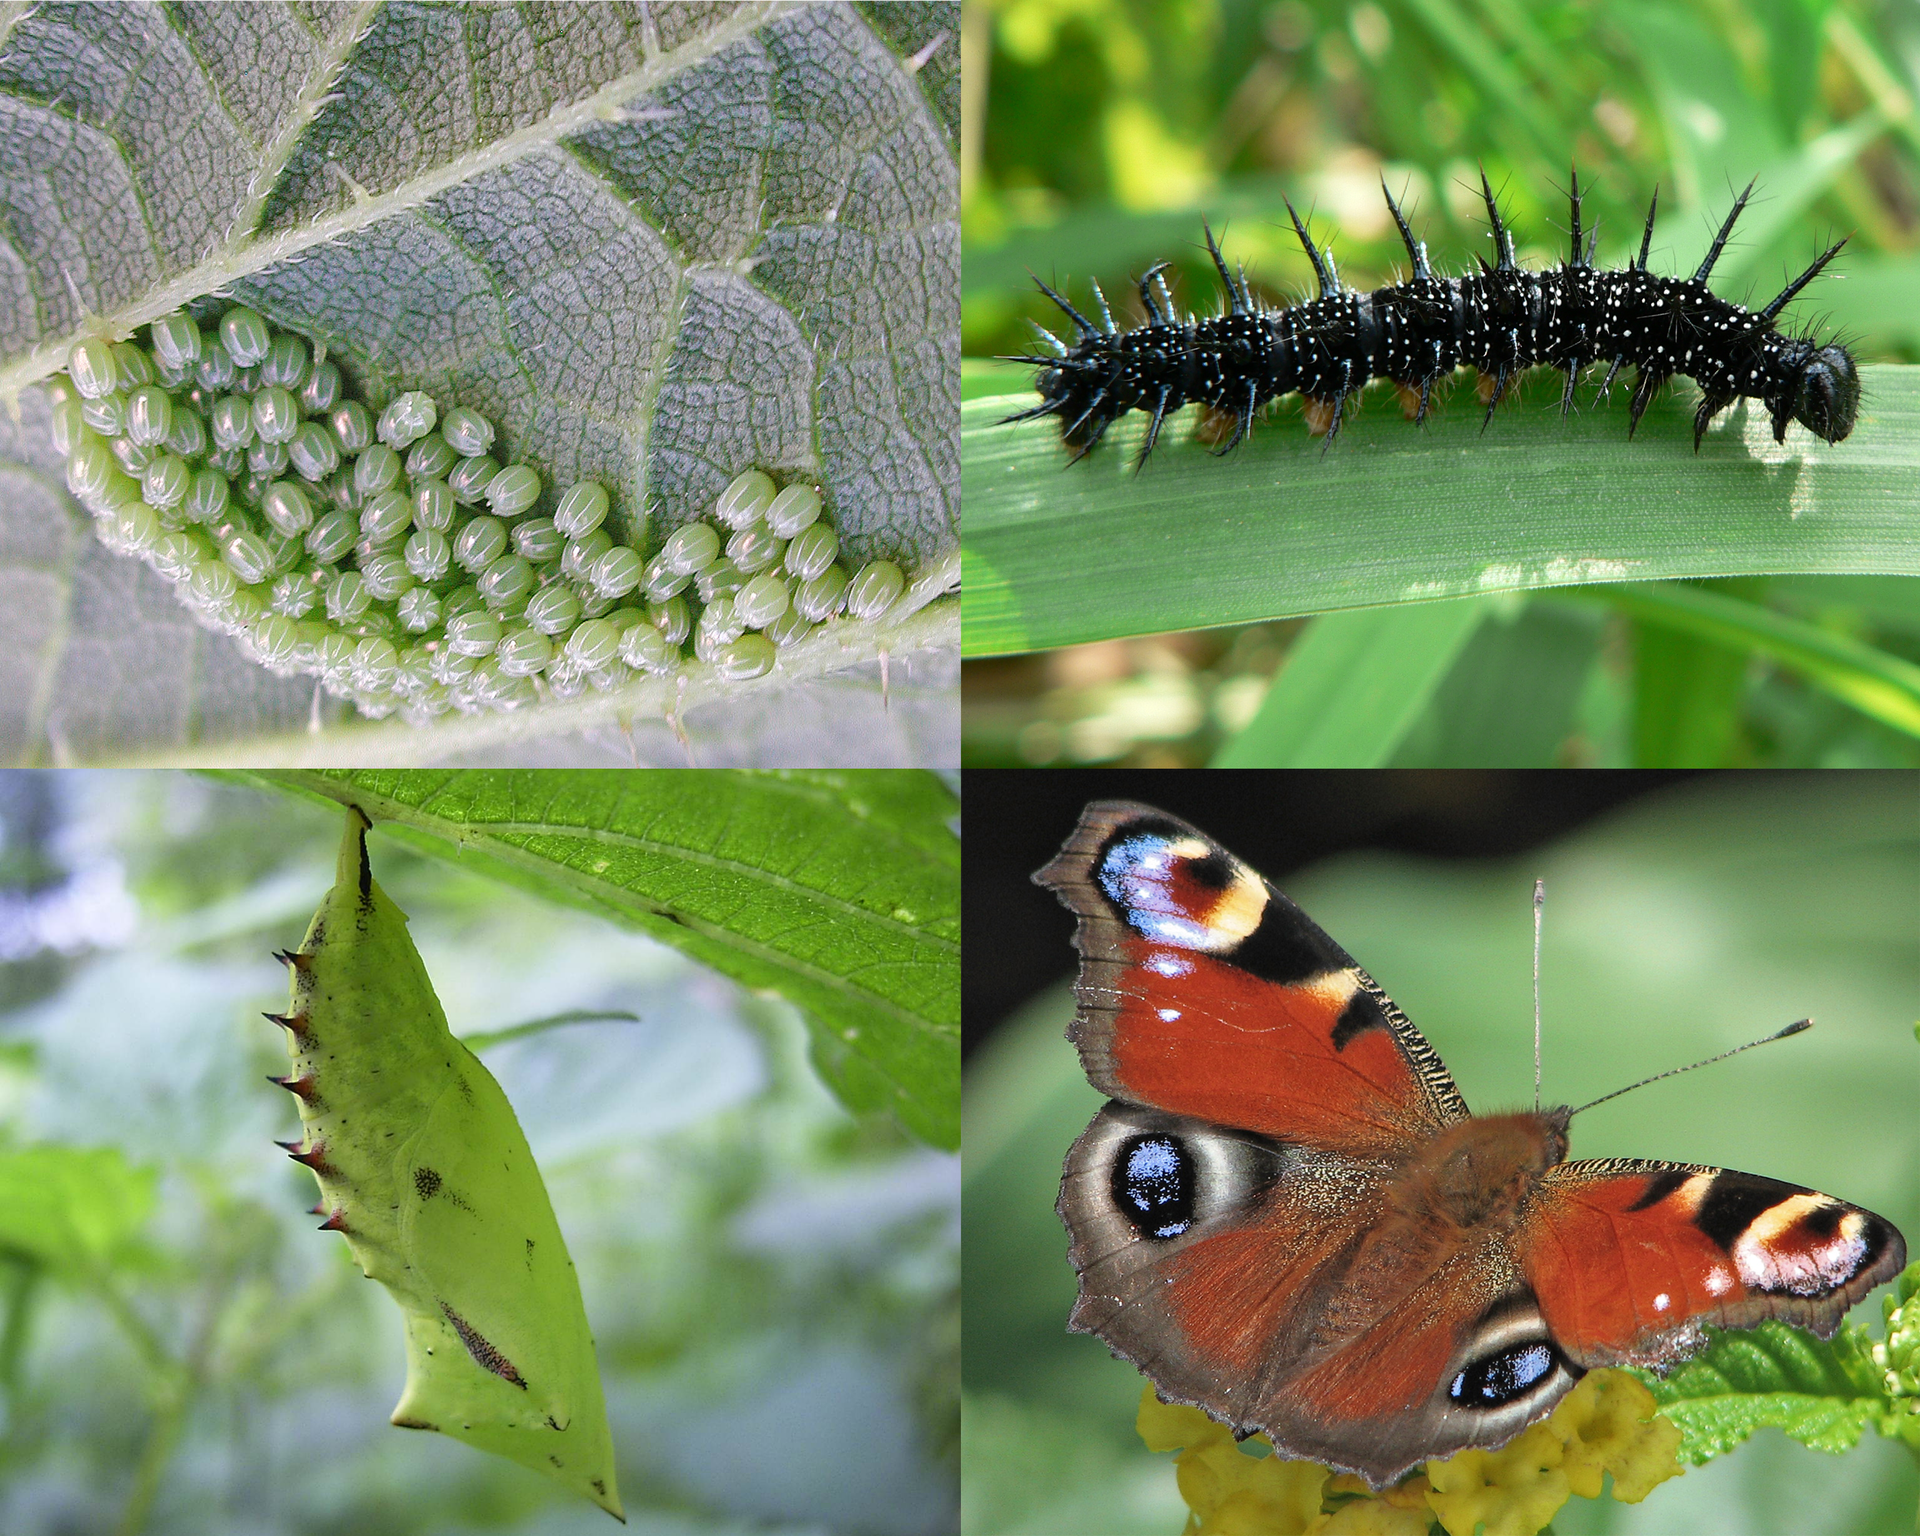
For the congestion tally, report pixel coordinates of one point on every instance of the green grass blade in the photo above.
(1055, 555)
(1687, 696)
(1875, 682)
(1352, 685)
(1512, 698)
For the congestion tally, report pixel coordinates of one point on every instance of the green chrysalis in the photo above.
(424, 1169)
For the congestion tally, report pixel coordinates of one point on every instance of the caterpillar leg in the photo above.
(1153, 428)
(1644, 389)
(1710, 407)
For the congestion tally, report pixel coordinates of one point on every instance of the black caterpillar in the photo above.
(1501, 320)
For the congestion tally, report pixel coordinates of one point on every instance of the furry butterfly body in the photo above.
(1287, 1216)
(425, 1170)
(1501, 320)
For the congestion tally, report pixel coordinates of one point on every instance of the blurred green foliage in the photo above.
(771, 1282)
(1100, 132)
(1691, 921)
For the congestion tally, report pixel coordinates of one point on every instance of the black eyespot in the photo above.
(1153, 1185)
(1500, 1378)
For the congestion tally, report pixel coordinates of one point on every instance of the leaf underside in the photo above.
(838, 891)
(655, 245)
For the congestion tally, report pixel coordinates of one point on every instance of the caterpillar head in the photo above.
(1819, 388)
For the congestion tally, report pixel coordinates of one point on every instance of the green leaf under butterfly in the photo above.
(647, 242)
(1822, 1393)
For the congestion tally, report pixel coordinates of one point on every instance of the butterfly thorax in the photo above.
(1477, 1173)
(1460, 1191)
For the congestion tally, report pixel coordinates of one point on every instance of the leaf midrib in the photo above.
(245, 256)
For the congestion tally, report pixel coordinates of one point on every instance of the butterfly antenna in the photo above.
(1539, 903)
(1791, 1029)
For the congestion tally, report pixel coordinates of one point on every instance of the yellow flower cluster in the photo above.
(1607, 1423)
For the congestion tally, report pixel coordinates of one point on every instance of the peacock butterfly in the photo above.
(1287, 1216)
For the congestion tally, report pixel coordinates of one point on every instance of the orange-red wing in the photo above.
(1629, 1258)
(1205, 992)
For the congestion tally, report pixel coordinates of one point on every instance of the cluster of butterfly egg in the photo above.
(285, 515)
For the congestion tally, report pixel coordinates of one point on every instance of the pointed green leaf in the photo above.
(838, 891)
(1057, 554)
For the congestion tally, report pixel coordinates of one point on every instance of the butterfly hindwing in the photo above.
(1257, 1281)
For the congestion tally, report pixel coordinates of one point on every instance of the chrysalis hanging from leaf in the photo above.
(424, 1169)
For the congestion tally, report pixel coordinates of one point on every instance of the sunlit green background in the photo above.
(771, 1283)
(1100, 132)
(1699, 918)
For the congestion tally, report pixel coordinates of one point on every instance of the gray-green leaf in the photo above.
(655, 244)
